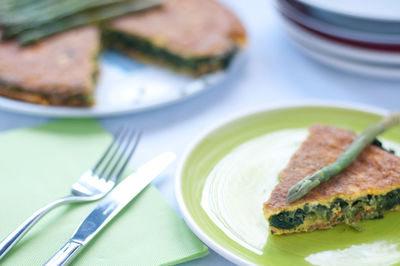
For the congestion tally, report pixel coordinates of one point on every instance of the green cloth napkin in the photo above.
(40, 164)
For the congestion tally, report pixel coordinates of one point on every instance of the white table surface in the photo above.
(274, 72)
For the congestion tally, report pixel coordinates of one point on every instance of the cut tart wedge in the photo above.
(191, 36)
(366, 189)
(60, 70)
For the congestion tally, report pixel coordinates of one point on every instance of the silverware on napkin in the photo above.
(92, 185)
(110, 206)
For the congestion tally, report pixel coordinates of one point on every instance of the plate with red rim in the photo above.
(364, 33)
(375, 63)
(361, 54)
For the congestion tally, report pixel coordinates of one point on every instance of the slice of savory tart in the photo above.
(191, 36)
(366, 189)
(60, 70)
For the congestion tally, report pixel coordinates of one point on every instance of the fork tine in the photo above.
(135, 144)
(121, 140)
(94, 169)
(128, 152)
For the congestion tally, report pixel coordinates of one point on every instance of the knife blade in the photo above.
(110, 206)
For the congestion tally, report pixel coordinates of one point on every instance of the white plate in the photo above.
(366, 70)
(368, 9)
(127, 86)
(360, 61)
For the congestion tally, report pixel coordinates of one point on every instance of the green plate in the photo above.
(279, 250)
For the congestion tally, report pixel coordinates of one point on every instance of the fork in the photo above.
(94, 184)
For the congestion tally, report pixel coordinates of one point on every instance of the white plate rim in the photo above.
(349, 11)
(239, 115)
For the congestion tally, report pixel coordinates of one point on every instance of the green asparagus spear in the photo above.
(41, 12)
(53, 13)
(302, 187)
(18, 13)
(12, 5)
(13, 15)
(80, 19)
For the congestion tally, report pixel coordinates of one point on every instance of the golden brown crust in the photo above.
(57, 100)
(23, 96)
(198, 28)
(62, 64)
(374, 170)
(323, 225)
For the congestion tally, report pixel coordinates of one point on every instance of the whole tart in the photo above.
(366, 189)
(60, 70)
(191, 36)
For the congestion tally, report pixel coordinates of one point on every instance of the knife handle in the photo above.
(64, 254)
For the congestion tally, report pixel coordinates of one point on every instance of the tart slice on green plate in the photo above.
(366, 189)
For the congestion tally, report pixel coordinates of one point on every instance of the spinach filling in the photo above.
(125, 43)
(338, 211)
(379, 144)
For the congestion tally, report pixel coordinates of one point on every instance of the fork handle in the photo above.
(64, 254)
(20, 231)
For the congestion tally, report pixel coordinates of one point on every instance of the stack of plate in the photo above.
(362, 36)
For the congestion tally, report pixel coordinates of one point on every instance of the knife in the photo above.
(108, 207)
